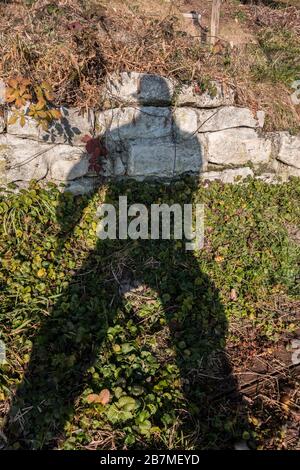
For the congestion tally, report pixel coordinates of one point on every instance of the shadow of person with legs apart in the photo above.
(122, 277)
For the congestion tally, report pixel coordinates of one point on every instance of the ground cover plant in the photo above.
(129, 344)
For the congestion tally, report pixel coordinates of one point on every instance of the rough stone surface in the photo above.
(134, 123)
(2, 124)
(151, 138)
(68, 165)
(218, 96)
(227, 117)
(261, 116)
(270, 178)
(139, 88)
(185, 123)
(69, 130)
(291, 172)
(2, 92)
(289, 149)
(24, 159)
(119, 168)
(229, 175)
(161, 154)
(236, 147)
(164, 158)
(29, 131)
(189, 157)
(283, 171)
(82, 186)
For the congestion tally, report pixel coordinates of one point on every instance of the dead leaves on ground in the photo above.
(103, 397)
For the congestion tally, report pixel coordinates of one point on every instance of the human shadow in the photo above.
(70, 339)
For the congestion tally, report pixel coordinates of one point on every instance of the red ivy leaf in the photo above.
(86, 138)
(103, 151)
(95, 149)
(96, 152)
(90, 145)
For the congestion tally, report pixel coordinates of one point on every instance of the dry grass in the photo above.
(74, 44)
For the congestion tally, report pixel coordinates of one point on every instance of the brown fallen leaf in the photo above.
(103, 397)
(93, 398)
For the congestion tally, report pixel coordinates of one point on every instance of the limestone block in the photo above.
(228, 176)
(2, 92)
(185, 123)
(227, 117)
(236, 147)
(135, 123)
(140, 88)
(22, 159)
(289, 149)
(189, 157)
(2, 124)
(151, 158)
(26, 159)
(70, 129)
(217, 95)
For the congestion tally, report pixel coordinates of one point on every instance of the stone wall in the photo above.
(152, 128)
